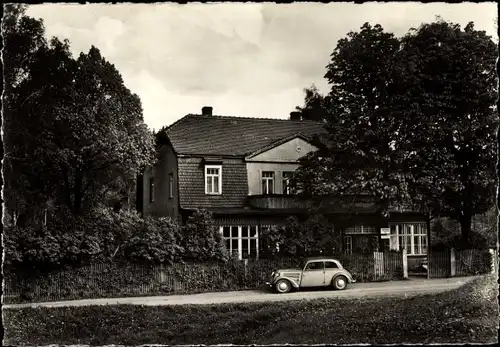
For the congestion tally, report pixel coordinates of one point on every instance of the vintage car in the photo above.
(312, 272)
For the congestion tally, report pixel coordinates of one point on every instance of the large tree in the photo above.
(359, 154)
(73, 131)
(451, 97)
(315, 107)
(410, 121)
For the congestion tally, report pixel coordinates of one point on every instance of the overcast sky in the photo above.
(245, 60)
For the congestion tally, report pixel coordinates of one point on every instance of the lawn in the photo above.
(466, 315)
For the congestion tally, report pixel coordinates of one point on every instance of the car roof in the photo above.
(324, 257)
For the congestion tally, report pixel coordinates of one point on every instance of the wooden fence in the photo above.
(467, 262)
(119, 280)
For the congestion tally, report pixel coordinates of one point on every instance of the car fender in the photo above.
(293, 281)
(346, 274)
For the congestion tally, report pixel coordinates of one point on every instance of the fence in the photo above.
(115, 280)
(465, 262)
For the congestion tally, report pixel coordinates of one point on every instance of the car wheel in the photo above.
(283, 286)
(340, 282)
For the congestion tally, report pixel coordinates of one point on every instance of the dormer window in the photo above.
(213, 179)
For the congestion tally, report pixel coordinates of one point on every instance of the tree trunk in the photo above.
(465, 228)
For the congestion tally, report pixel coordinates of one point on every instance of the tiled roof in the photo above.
(235, 136)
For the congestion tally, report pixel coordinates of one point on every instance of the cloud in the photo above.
(243, 59)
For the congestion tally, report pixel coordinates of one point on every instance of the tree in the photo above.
(454, 84)
(414, 121)
(75, 133)
(201, 239)
(22, 38)
(315, 107)
(359, 153)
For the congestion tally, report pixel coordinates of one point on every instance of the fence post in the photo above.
(453, 262)
(245, 262)
(405, 263)
(493, 260)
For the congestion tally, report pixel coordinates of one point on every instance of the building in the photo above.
(239, 169)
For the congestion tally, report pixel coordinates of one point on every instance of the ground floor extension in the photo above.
(360, 232)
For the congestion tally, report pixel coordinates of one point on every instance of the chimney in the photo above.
(295, 115)
(206, 111)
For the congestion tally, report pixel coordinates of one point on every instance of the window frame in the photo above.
(361, 229)
(219, 175)
(405, 234)
(315, 262)
(285, 183)
(332, 262)
(241, 239)
(151, 190)
(267, 180)
(171, 185)
(348, 245)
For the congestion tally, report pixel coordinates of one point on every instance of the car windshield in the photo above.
(302, 264)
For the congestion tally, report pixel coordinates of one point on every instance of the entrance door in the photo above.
(313, 274)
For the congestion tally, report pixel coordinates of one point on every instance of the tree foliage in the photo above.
(454, 84)
(201, 239)
(107, 235)
(73, 131)
(313, 236)
(315, 107)
(410, 121)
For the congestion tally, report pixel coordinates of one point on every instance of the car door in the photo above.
(331, 269)
(313, 274)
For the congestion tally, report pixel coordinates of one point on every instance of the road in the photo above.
(356, 290)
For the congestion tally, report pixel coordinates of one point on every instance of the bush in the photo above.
(201, 240)
(156, 240)
(313, 236)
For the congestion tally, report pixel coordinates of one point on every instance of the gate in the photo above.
(439, 264)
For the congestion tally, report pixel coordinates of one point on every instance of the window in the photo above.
(151, 190)
(241, 241)
(267, 182)
(348, 244)
(213, 179)
(317, 265)
(170, 185)
(331, 265)
(409, 236)
(287, 175)
(361, 229)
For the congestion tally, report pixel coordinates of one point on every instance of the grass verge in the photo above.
(465, 315)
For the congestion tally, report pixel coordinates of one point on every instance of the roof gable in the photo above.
(234, 136)
(289, 149)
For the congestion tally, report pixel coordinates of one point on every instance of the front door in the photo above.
(313, 274)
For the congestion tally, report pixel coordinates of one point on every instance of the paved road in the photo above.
(355, 290)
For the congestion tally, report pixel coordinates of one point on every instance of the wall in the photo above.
(281, 158)
(192, 184)
(163, 205)
(254, 174)
(289, 151)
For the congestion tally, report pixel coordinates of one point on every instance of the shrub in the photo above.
(201, 240)
(156, 240)
(313, 236)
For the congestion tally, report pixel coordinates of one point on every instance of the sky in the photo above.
(244, 60)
